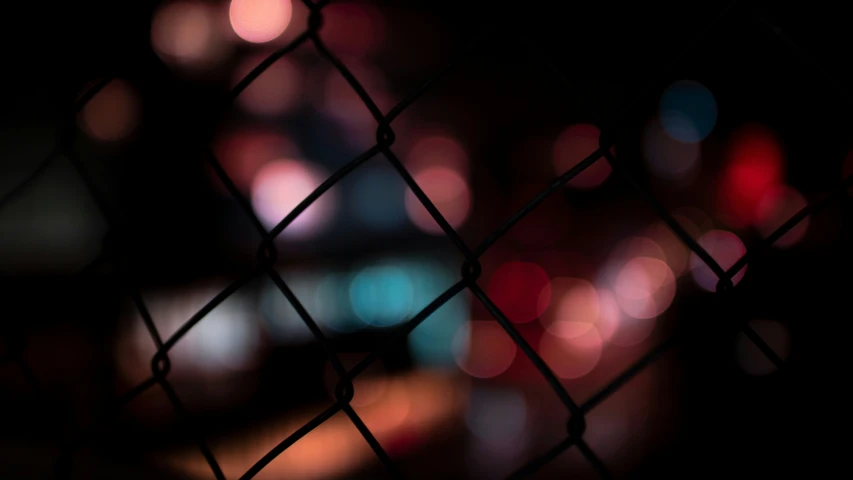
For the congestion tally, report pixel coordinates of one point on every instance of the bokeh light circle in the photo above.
(750, 358)
(754, 166)
(260, 21)
(670, 159)
(775, 208)
(571, 355)
(185, 33)
(113, 114)
(676, 253)
(645, 287)
(521, 290)
(724, 247)
(382, 295)
(688, 111)
(280, 186)
(573, 145)
(447, 190)
(438, 151)
(483, 349)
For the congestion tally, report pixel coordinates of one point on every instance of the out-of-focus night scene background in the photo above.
(165, 315)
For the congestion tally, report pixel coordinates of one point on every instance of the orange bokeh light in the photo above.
(113, 113)
(483, 349)
(438, 151)
(185, 33)
(571, 354)
(260, 21)
(447, 190)
(645, 287)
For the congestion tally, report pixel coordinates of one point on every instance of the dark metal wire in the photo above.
(470, 271)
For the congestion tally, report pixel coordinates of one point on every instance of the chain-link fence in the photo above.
(727, 295)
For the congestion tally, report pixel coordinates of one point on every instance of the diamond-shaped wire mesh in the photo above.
(470, 268)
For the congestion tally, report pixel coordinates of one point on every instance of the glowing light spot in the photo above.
(668, 158)
(382, 295)
(482, 349)
(260, 21)
(775, 208)
(645, 287)
(572, 146)
(277, 90)
(376, 197)
(751, 359)
(754, 167)
(496, 415)
(724, 247)
(448, 191)
(675, 251)
(521, 290)
(242, 153)
(227, 339)
(353, 29)
(113, 113)
(688, 111)
(609, 315)
(184, 33)
(570, 356)
(438, 151)
(280, 185)
(577, 306)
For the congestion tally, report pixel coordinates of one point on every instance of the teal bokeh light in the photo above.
(382, 295)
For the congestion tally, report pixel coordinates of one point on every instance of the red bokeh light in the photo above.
(754, 166)
(521, 290)
(572, 146)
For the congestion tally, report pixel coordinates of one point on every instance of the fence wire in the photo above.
(469, 272)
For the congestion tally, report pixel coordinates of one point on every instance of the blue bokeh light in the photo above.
(431, 343)
(688, 111)
(382, 295)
